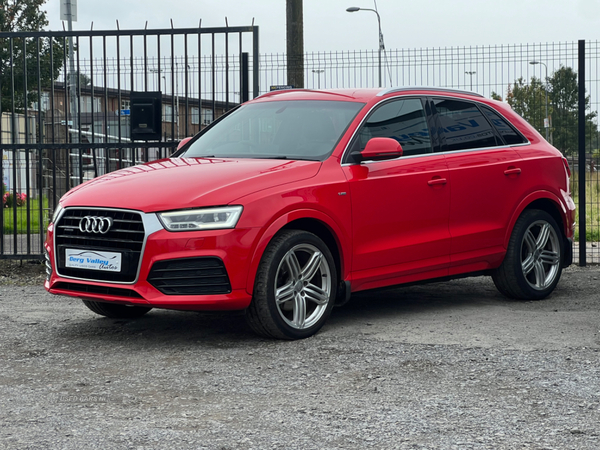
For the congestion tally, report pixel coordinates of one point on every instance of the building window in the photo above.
(45, 101)
(86, 104)
(125, 104)
(207, 116)
(167, 113)
(195, 116)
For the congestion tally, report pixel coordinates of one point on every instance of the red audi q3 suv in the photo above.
(289, 203)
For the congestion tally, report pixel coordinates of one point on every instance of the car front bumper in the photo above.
(232, 247)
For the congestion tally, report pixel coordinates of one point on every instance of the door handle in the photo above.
(436, 181)
(512, 171)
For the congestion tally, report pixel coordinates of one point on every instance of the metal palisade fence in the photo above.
(66, 100)
(75, 127)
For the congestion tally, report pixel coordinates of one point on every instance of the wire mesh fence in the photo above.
(540, 82)
(199, 76)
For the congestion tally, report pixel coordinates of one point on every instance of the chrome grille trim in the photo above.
(150, 224)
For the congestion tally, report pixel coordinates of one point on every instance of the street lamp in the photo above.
(547, 119)
(471, 73)
(381, 46)
(154, 71)
(318, 72)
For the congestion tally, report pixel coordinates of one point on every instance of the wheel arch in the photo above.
(311, 221)
(325, 233)
(544, 201)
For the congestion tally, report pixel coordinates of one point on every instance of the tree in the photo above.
(529, 100)
(84, 80)
(564, 94)
(25, 16)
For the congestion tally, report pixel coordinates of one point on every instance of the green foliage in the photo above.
(25, 15)
(529, 100)
(592, 205)
(8, 199)
(564, 91)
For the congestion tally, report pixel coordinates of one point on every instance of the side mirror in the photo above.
(183, 142)
(380, 149)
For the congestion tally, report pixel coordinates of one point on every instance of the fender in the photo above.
(280, 222)
(547, 195)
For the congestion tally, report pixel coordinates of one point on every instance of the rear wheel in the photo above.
(533, 263)
(295, 287)
(116, 311)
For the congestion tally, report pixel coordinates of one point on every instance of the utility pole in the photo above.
(295, 43)
(71, 11)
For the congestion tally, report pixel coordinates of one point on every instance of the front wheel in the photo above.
(116, 311)
(295, 287)
(533, 262)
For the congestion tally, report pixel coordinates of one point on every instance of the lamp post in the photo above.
(471, 73)
(318, 72)
(154, 71)
(381, 46)
(547, 119)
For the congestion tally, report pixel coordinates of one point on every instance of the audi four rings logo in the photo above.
(94, 224)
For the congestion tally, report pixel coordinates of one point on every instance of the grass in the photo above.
(592, 205)
(34, 216)
(592, 208)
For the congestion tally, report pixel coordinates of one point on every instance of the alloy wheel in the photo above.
(302, 286)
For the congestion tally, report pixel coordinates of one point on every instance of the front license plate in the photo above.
(93, 260)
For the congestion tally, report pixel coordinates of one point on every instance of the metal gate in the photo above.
(66, 119)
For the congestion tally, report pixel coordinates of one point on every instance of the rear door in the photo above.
(485, 180)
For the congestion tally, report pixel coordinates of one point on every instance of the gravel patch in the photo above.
(440, 366)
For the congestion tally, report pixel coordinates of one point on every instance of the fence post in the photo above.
(245, 78)
(582, 158)
(255, 63)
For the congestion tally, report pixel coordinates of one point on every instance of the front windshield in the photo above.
(302, 129)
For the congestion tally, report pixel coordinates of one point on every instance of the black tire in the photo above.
(295, 287)
(533, 263)
(116, 311)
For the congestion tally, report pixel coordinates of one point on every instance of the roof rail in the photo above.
(425, 88)
(312, 91)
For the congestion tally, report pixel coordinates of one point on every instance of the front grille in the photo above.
(190, 276)
(93, 289)
(126, 236)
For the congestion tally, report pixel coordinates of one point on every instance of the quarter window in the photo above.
(508, 133)
(463, 125)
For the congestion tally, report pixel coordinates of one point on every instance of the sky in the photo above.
(328, 27)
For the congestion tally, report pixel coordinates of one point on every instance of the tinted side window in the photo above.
(402, 120)
(463, 125)
(507, 132)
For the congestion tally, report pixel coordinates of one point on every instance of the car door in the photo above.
(485, 183)
(400, 207)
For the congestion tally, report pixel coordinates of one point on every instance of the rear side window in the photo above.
(463, 126)
(508, 133)
(402, 120)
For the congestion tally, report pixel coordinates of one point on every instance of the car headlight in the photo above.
(57, 212)
(201, 219)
